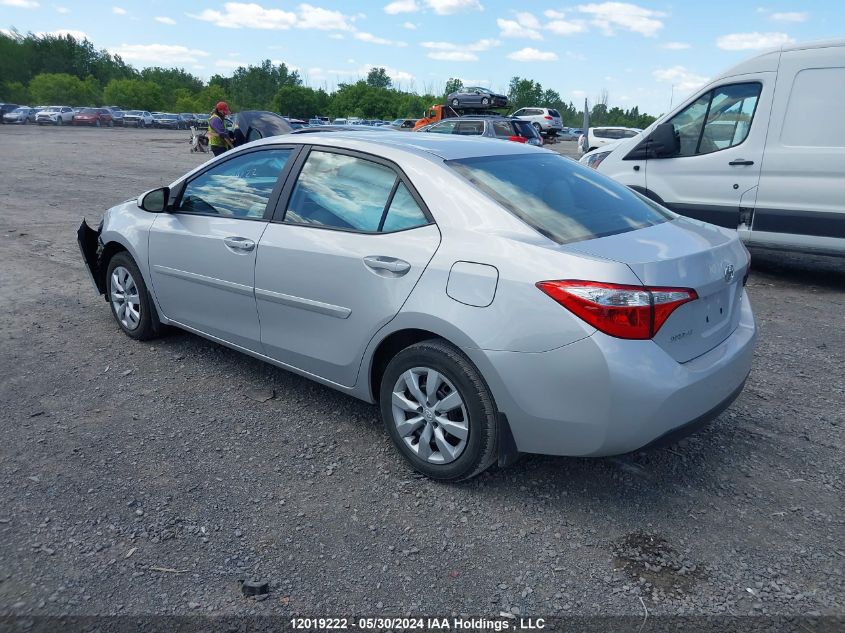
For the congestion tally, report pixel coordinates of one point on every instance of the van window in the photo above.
(809, 121)
(717, 120)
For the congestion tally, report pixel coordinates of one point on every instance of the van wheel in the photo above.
(439, 412)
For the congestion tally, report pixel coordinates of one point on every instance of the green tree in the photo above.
(254, 87)
(175, 83)
(60, 89)
(209, 97)
(299, 102)
(453, 84)
(133, 93)
(14, 92)
(377, 78)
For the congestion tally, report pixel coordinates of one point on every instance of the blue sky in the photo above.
(644, 53)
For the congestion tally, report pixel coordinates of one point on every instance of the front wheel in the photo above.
(97, 123)
(128, 298)
(485, 101)
(439, 412)
(59, 121)
(455, 103)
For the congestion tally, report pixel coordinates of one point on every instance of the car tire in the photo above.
(111, 123)
(466, 431)
(59, 120)
(455, 103)
(485, 101)
(131, 310)
(97, 123)
(537, 127)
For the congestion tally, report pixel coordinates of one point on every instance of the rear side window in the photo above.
(524, 128)
(445, 127)
(469, 128)
(560, 199)
(352, 194)
(502, 129)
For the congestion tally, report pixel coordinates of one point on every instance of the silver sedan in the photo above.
(491, 298)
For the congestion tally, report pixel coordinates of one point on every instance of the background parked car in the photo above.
(169, 120)
(404, 124)
(570, 134)
(201, 120)
(22, 115)
(5, 108)
(189, 118)
(55, 115)
(476, 97)
(96, 117)
(137, 118)
(116, 114)
(500, 127)
(545, 120)
(598, 136)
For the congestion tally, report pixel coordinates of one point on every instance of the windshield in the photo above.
(88, 111)
(560, 199)
(133, 113)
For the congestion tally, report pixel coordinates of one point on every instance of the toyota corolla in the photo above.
(491, 298)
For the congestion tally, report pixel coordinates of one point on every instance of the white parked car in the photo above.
(55, 115)
(599, 136)
(545, 120)
(756, 150)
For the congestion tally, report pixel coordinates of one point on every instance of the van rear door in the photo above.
(722, 134)
(801, 199)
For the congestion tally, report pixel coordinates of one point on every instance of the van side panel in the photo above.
(801, 194)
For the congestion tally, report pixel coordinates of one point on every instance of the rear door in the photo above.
(722, 136)
(202, 253)
(801, 198)
(346, 247)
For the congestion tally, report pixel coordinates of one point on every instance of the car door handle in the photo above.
(380, 262)
(741, 161)
(239, 243)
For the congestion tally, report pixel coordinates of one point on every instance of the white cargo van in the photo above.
(760, 149)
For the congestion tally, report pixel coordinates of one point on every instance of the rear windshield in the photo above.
(524, 128)
(559, 198)
(554, 113)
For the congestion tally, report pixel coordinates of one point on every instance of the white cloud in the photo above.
(752, 41)
(532, 55)
(77, 35)
(683, 79)
(448, 7)
(580, 57)
(566, 27)
(401, 6)
(453, 56)
(372, 39)
(165, 20)
(512, 28)
(554, 15)
(527, 20)
(20, 4)
(611, 16)
(676, 46)
(409, 25)
(238, 15)
(62, 10)
(311, 17)
(228, 64)
(165, 54)
(480, 45)
(118, 10)
(790, 16)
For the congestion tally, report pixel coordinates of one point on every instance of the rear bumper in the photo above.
(605, 396)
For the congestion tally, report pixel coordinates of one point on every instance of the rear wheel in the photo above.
(438, 411)
(128, 298)
(537, 127)
(455, 103)
(485, 101)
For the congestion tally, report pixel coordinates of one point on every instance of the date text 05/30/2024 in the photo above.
(419, 624)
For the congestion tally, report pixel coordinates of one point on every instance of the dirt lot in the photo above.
(150, 477)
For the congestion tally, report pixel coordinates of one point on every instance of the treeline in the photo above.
(50, 69)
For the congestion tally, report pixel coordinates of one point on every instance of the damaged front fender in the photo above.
(89, 245)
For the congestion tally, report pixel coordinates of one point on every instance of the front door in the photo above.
(722, 135)
(354, 240)
(202, 253)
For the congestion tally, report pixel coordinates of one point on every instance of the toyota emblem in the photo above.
(729, 273)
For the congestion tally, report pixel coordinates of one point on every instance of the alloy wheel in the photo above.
(430, 415)
(125, 298)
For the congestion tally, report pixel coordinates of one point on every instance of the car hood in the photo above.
(263, 122)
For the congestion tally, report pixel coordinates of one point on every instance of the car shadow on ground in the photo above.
(827, 273)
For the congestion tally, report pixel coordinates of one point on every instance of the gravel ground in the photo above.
(150, 477)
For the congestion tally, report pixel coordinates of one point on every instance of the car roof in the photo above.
(447, 147)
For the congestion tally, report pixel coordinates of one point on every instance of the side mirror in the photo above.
(155, 200)
(664, 142)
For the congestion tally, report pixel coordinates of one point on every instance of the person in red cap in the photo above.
(218, 138)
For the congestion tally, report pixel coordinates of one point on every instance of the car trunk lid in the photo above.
(684, 253)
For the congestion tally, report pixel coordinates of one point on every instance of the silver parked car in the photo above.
(492, 298)
(55, 115)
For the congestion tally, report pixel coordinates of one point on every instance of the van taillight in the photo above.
(630, 312)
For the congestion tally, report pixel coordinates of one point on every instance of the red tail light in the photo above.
(518, 139)
(547, 117)
(631, 312)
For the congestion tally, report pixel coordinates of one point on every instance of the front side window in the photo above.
(559, 198)
(237, 188)
(717, 120)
